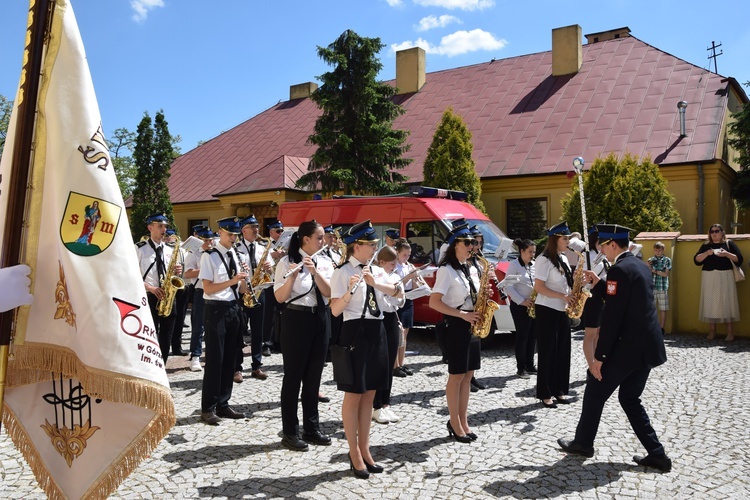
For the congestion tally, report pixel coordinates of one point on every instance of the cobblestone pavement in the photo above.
(695, 402)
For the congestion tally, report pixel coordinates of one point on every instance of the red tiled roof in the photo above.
(524, 121)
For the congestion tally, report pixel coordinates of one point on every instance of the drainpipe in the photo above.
(701, 197)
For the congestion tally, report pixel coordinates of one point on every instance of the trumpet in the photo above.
(362, 274)
(299, 266)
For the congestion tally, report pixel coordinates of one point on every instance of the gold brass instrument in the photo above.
(342, 247)
(579, 291)
(484, 306)
(532, 308)
(170, 284)
(260, 275)
(248, 298)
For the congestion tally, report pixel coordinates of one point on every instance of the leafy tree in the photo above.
(630, 192)
(120, 144)
(358, 150)
(6, 107)
(449, 164)
(153, 154)
(740, 140)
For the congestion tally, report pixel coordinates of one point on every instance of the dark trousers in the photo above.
(392, 334)
(164, 327)
(255, 318)
(553, 341)
(304, 343)
(196, 324)
(224, 325)
(270, 312)
(180, 309)
(525, 337)
(631, 383)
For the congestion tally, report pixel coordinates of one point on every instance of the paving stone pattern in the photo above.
(696, 402)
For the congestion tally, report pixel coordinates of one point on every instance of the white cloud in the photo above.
(430, 22)
(395, 3)
(457, 4)
(455, 44)
(141, 8)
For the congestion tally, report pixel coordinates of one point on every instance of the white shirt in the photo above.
(522, 290)
(212, 269)
(454, 286)
(304, 281)
(258, 251)
(388, 303)
(402, 270)
(340, 285)
(147, 260)
(193, 262)
(555, 280)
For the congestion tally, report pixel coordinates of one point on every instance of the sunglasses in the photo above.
(278, 230)
(468, 242)
(715, 231)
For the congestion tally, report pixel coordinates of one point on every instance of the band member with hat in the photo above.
(192, 269)
(391, 236)
(153, 258)
(250, 245)
(553, 284)
(304, 332)
(358, 296)
(223, 320)
(181, 296)
(271, 311)
(630, 344)
(454, 295)
(332, 240)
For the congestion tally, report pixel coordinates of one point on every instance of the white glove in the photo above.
(14, 291)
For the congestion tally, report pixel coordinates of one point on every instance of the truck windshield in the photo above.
(492, 237)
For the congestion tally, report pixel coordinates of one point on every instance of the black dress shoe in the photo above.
(562, 401)
(661, 462)
(228, 412)
(373, 468)
(398, 372)
(548, 405)
(293, 442)
(473, 388)
(476, 383)
(316, 437)
(472, 436)
(407, 371)
(461, 439)
(361, 474)
(570, 446)
(531, 370)
(210, 418)
(266, 351)
(323, 399)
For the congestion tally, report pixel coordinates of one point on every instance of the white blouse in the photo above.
(340, 286)
(555, 280)
(388, 303)
(454, 286)
(522, 290)
(304, 281)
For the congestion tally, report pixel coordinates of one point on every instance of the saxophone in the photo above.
(170, 284)
(260, 276)
(580, 292)
(484, 306)
(248, 298)
(532, 308)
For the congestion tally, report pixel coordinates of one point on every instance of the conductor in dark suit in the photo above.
(630, 344)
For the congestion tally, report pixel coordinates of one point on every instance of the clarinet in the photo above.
(362, 274)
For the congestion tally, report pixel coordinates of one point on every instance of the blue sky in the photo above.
(214, 64)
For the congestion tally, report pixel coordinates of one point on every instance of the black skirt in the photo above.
(369, 357)
(462, 348)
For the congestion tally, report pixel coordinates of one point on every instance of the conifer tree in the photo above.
(630, 192)
(449, 164)
(153, 154)
(358, 151)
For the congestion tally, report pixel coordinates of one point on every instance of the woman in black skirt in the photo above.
(454, 295)
(357, 295)
(303, 349)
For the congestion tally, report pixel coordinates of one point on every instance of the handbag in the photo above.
(341, 357)
(739, 274)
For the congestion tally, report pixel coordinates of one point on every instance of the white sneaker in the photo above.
(392, 417)
(195, 365)
(380, 416)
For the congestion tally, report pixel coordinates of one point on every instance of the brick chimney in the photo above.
(567, 54)
(410, 70)
(603, 36)
(302, 90)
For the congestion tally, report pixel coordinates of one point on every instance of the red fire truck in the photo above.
(424, 216)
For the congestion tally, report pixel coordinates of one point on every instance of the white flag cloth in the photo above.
(87, 395)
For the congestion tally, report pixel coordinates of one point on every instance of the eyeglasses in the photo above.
(715, 231)
(278, 230)
(468, 242)
(475, 243)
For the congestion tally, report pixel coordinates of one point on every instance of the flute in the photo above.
(299, 266)
(362, 275)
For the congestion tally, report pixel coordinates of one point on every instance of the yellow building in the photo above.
(529, 117)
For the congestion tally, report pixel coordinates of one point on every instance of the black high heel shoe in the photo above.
(361, 474)
(461, 439)
(373, 468)
(472, 436)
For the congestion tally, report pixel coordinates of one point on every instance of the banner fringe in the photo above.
(34, 363)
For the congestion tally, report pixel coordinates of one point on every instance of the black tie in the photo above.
(321, 303)
(371, 303)
(232, 271)
(253, 262)
(160, 267)
(472, 288)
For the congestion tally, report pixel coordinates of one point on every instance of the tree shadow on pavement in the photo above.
(568, 475)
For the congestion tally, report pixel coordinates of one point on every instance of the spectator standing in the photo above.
(660, 266)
